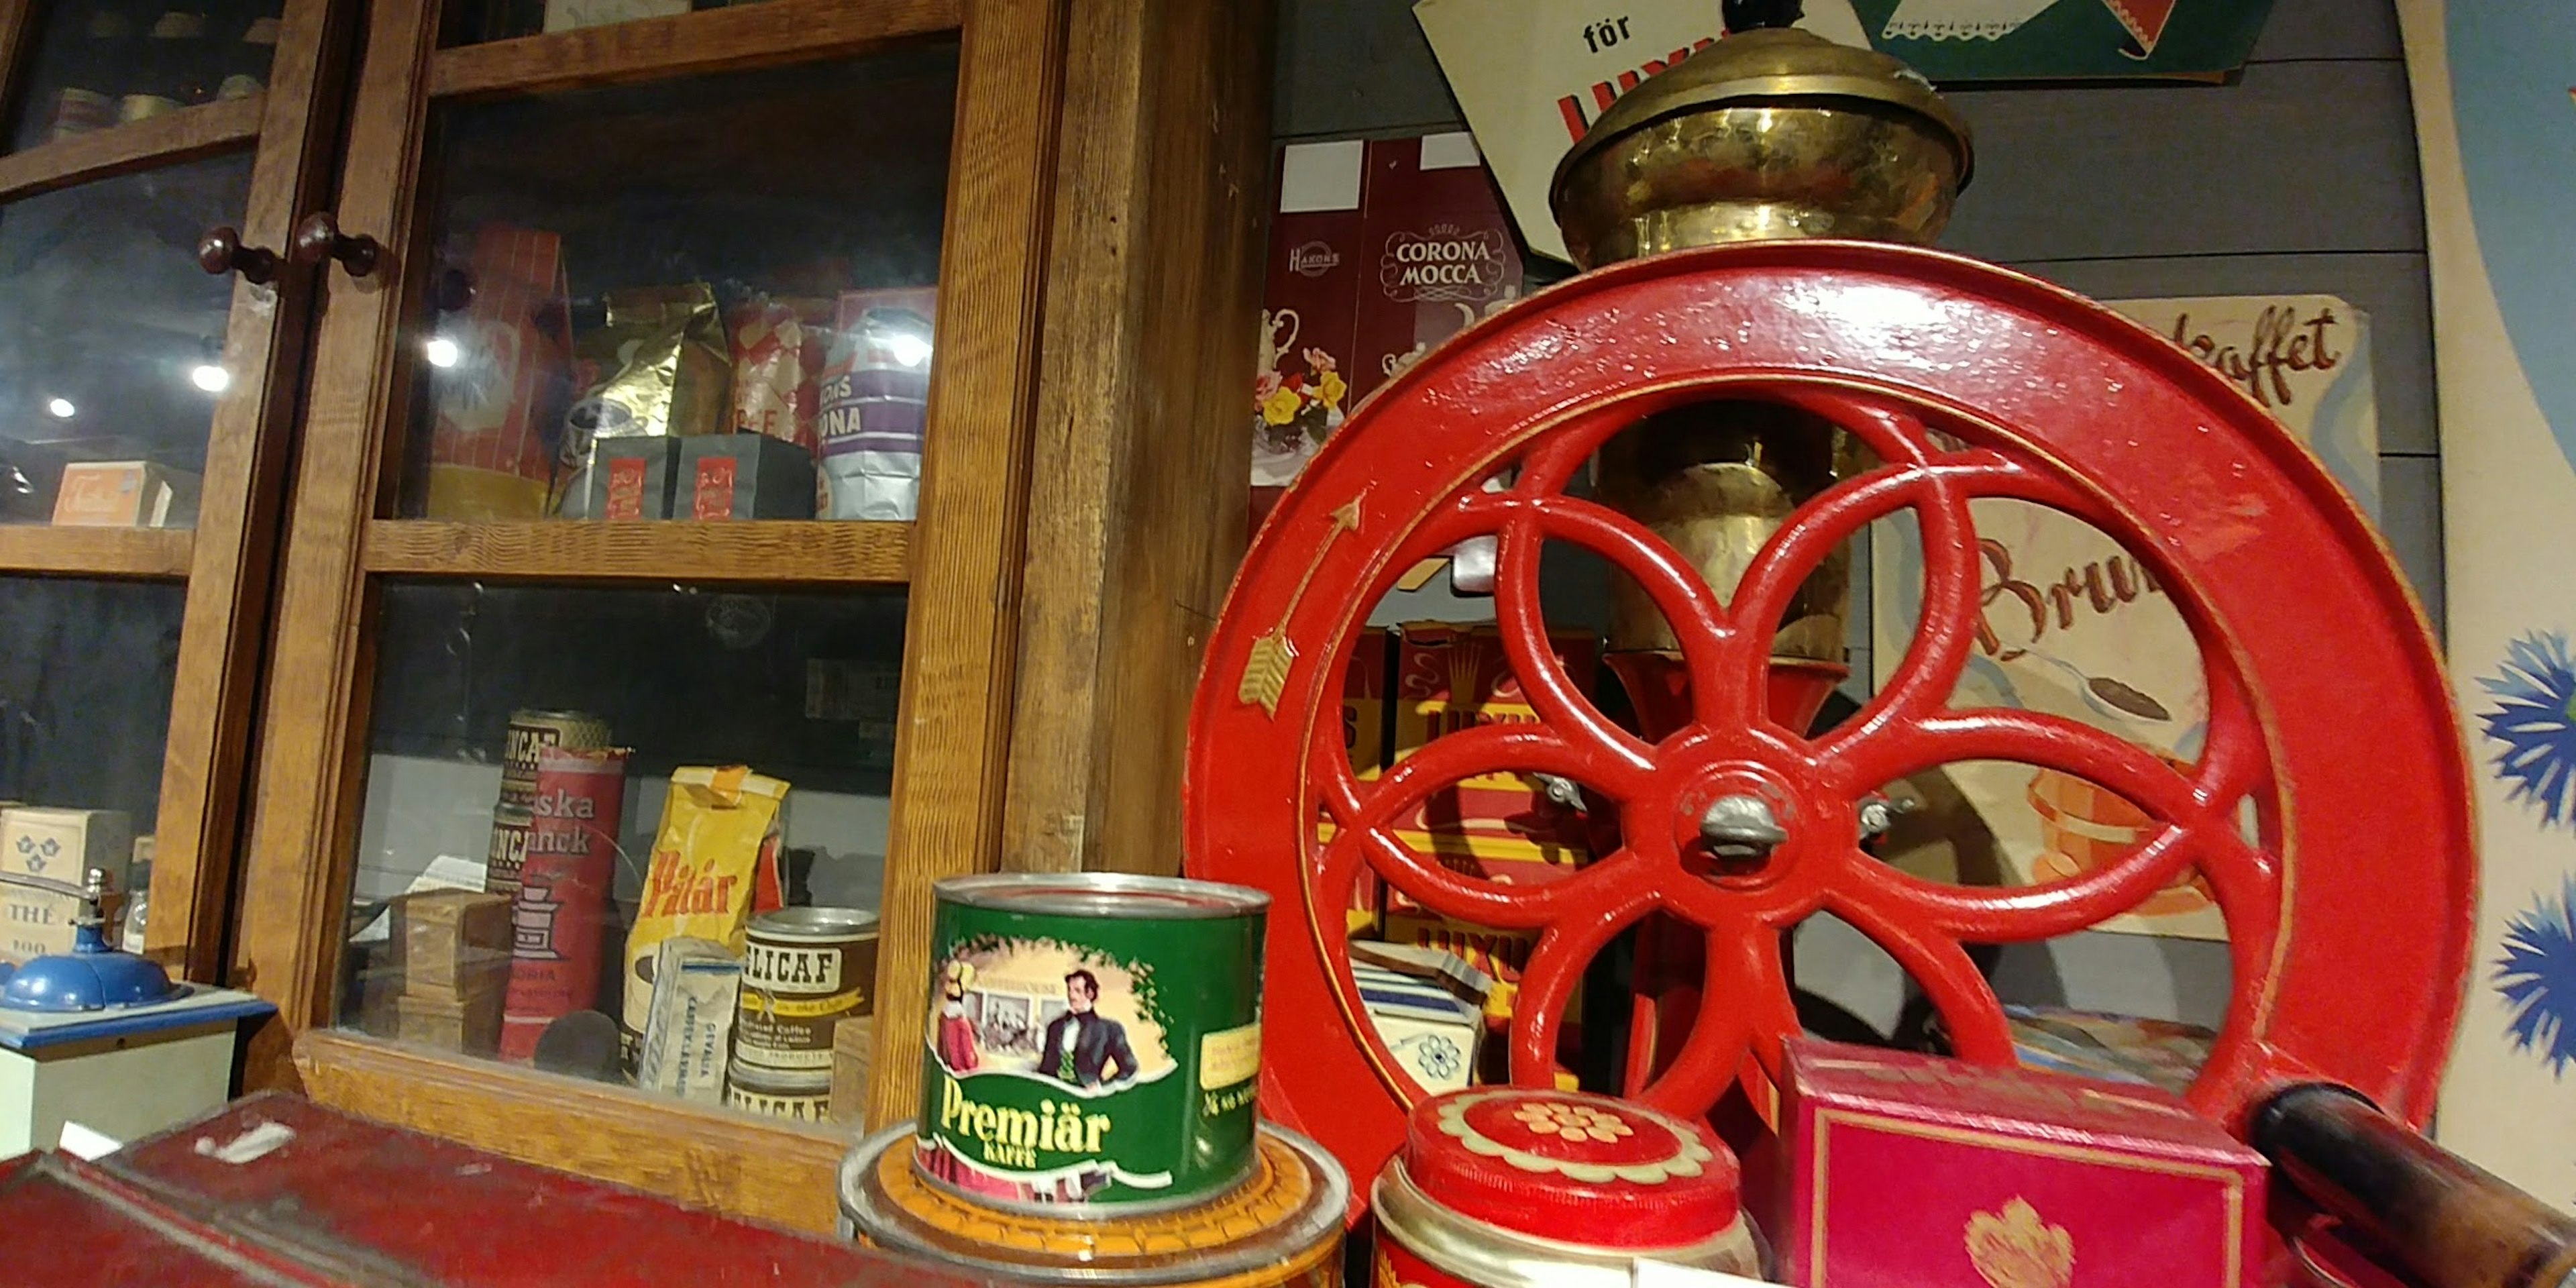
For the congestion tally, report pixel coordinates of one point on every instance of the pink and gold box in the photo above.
(1910, 1169)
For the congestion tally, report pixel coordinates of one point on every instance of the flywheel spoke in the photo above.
(1894, 432)
(1454, 758)
(1947, 631)
(1745, 1009)
(1582, 925)
(2016, 914)
(2246, 882)
(1426, 882)
(1873, 756)
(1940, 965)
(1543, 679)
(2233, 762)
(1699, 622)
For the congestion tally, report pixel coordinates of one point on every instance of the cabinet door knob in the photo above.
(319, 238)
(222, 252)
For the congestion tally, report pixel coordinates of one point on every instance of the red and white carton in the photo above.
(556, 921)
(1364, 738)
(1899, 1168)
(490, 453)
(1501, 826)
(1380, 250)
(1507, 1186)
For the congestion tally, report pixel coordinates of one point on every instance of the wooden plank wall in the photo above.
(2298, 177)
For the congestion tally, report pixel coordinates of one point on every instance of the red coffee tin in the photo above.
(563, 892)
(1509, 1187)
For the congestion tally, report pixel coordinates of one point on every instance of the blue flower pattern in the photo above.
(1441, 1057)
(2536, 976)
(2535, 694)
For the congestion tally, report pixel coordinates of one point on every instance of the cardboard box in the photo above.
(1500, 826)
(125, 494)
(35, 919)
(452, 942)
(853, 1049)
(468, 1025)
(1432, 1034)
(743, 476)
(1365, 734)
(626, 478)
(1465, 981)
(1931, 1171)
(58, 847)
(499, 404)
(1379, 251)
(126, 1073)
(572, 15)
(1500, 954)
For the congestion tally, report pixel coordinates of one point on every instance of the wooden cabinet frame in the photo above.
(1081, 507)
(226, 561)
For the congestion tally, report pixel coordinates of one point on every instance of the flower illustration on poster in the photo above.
(2531, 727)
(2536, 976)
(2533, 724)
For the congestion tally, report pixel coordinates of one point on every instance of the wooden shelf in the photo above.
(758, 552)
(173, 136)
(713, 40)
(157, 554)
(702, 1157)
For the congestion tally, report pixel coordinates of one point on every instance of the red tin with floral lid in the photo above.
(1510, 1187)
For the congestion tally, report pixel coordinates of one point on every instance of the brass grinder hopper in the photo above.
(1771, 133)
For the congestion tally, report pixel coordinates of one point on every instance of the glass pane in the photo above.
(474, 21)
(85, 677)
(111, 346)
(100, 63)
(588, 913)
(702, 299)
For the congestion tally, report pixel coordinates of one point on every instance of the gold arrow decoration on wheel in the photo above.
(1265, 673)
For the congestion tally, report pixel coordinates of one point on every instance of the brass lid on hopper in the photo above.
(1770, 133)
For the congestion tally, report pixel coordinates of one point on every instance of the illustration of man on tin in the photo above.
(956, 1027)
(1082, 1046)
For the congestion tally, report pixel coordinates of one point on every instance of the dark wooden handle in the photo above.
(319, 238)
(222, 252)
(452, 290)
(2452, 1223)
(1749, 15)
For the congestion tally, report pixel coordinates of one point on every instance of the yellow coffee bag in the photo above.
(715, 857)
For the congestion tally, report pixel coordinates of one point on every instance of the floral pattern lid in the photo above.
(1574, 1167)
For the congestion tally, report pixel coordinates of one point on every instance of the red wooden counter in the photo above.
(274, 1190)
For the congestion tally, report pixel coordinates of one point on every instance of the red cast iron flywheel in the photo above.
(2348, 919)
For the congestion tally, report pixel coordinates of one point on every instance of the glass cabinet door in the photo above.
(99, 64)
(691, 301)
(86, 669)
(141, 354)
(112, 349)
(614, 536)
(698, 300)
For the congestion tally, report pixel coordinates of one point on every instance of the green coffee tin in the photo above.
(1093, 1040)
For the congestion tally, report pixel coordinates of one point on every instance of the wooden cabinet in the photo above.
(1019, 232)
